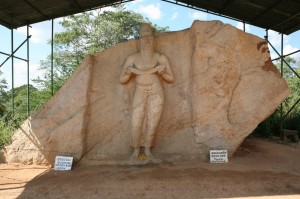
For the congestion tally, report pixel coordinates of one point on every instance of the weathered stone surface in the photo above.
(225, 85)
(58, 127)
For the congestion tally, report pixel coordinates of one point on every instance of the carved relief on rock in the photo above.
(149, 68)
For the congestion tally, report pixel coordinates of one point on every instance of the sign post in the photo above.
(63, 163)
(218, 156)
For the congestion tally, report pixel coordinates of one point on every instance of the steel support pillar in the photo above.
(28, 91)
(12, 71)
(281, 72)
(12, 57)
(52, 32)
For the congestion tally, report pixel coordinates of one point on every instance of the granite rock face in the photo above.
(225, 85)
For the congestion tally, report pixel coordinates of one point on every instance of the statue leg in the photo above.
(138, 114)
(154, 110)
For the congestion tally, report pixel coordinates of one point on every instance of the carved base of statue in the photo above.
(141, 156)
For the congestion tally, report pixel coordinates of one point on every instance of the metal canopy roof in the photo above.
(18, 13)
(280, 15)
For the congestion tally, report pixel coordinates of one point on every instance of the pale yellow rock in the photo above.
(225, 85)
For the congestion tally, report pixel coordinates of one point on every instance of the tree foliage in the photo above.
(292, 120)
(83, 34)
(88, 33)
(272, 125)
(9, 120)
(3, 95)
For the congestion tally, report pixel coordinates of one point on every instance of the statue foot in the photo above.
(135, 154)
(134, 157)
(153, 159)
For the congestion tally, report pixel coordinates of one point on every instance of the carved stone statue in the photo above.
(149, 68)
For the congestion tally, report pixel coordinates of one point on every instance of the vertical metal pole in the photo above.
(281, 58)
(12, 69)
(52, 32)
(244, 26)
(281, 72)
(267, 34)
(28, 100)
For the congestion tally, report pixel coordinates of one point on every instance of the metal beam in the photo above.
(79, 6)
(281, 56)
(228, 3)
(266, 11)
(28, 91)
(13, 52)
(267, 34)
(291, 17)
(286, 55)
(281, 73)
(291, 27)
(5, 23)
(202, 10)
(52, 33)
(283, 117)
(12, 71)
(284, 60)
(11, 25)
(36, 9)
(13, 56)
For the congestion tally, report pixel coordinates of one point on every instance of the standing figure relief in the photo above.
(148, 67)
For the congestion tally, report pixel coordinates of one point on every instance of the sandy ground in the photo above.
(260, 168)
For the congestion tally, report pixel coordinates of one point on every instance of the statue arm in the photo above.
(126, 72)
(166, 73)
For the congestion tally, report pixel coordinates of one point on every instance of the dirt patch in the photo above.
(259, 168)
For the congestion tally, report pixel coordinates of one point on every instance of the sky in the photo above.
(158, 12)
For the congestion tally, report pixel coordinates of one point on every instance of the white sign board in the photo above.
(63, 163)
(218, 156)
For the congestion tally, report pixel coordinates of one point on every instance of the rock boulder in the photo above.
(225, 85)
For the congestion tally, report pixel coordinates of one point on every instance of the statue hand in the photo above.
(161, 69)
(128, 71)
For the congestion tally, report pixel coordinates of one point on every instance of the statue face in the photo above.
(147, 43)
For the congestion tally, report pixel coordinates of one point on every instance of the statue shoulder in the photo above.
(131, 57)
(161, 57)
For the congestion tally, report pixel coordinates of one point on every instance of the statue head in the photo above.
(147, 39)
(146, 30)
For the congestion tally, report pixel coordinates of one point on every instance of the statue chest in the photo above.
(145, 65)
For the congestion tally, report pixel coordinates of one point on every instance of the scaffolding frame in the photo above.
(282, 57)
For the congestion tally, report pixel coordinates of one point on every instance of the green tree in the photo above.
(272, 124)
(3, 95)
(10, 121)
(292, 121)
(88, 33)
(293, 82)
(85, 33)
(20, 99)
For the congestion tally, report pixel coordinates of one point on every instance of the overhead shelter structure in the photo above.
(282, 16)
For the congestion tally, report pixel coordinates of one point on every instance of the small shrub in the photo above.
(6, 132)
(8, 124)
